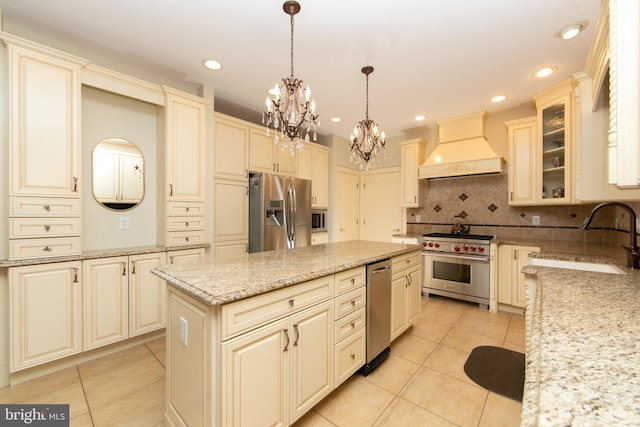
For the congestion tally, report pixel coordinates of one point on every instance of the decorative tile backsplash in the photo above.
(482, 202)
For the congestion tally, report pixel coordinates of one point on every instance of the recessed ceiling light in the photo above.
(498, 98)
(336, 119)
(545, 72)
(212, 64)
(419, 118)
(571, 31)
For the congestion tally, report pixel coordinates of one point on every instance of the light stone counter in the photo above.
(583, 345)
(225, 280)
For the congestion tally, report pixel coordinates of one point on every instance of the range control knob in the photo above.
(430, 244)
(457, 249)
(480, 249)
(424, 244)
(473, 248)
(465, 247)
(437, 245)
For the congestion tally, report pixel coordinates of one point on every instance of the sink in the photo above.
(576, 265)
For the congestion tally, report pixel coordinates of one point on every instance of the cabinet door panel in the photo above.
(414, 292)
(106, 301)
(231, 155)
(45, 312)
(147, 296)
(232, 211)
(312, 357)
(398, 303)
(255, 377)
(44, 148)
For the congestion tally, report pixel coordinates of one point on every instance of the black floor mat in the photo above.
(498, 370)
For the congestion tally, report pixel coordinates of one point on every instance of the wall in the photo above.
(107, 115)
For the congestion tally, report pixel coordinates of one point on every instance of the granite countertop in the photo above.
(99, 253)
(225, 280)
(583, 348)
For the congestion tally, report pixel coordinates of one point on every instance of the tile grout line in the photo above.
(84, 393)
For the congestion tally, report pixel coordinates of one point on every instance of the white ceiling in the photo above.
(441, 58)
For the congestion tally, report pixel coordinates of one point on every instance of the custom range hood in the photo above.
(462, 150)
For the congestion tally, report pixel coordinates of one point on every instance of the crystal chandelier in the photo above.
(291, 111)
(366, 140)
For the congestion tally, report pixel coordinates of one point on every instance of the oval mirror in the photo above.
(118, 174)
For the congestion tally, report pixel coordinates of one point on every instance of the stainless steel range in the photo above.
(456, 266)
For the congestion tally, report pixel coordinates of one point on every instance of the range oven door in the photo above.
(457, 276)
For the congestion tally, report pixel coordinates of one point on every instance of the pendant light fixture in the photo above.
(291, 111)
(367, 142)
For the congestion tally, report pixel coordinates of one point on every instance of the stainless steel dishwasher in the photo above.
(378, 314)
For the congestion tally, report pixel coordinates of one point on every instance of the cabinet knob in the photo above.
(353, 356)
(291, 301)
(47, 249)
(353, 303)
(47, 208)
(353, 325)
(47, 228)
(353, 280)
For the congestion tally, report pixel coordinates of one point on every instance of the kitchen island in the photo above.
(258, 339)
(583, 346)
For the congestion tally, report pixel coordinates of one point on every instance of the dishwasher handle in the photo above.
(381, 269)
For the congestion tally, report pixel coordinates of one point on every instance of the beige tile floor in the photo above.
(422, 383)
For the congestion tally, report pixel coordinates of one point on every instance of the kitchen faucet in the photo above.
(633, 254)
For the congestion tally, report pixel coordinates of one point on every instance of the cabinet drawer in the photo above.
(43, 248)
(184, 223)
(346, 303)
(403, 262)
(177, 238)
(44, 227)
(350, 279)
(44, 207)
(349, 355)
(185, 209)
(350, 323)
(246, 314)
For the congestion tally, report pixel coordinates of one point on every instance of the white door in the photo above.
(382, 214)
(347, 207)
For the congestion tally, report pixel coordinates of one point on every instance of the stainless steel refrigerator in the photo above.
(279, 212)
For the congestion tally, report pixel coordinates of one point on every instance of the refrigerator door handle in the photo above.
(294, 211)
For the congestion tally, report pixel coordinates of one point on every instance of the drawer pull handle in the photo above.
(170, 260)
(47, 208)
(186, 223)
(295, 328)
(353, 303)
(124, 268)
(187, 209)
(75, 275)
(353, 325)
(291, 302)
(133, 267)
(47, 249)
(186, 238)
(47, 228)
(353, 280)
(286, 335)
(353, 356)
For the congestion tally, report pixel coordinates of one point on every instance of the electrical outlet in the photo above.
(418, 218)
(535, 220)
(124, 223)
(184, 331)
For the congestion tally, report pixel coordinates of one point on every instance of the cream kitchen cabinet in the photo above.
(147, 294)
(405, 292)
(45, 313)
(122, 298)
(553, 170)
(313, 164)
(185, 256)
(511, 289)
(185, 162)
(231, 153)
(411, 158)
(285, 365)
(106, 301)
(381, 214)
(267, 157)
(230, 224)
(44, 148)
(522, 163)
(350, 323)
